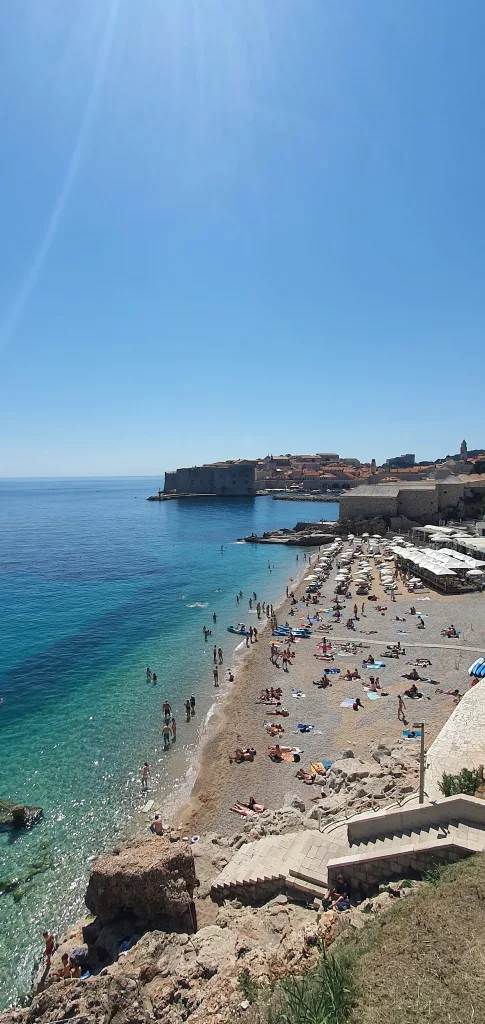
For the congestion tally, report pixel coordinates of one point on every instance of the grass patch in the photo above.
(322, 995)
(421, 962)
(424, 961)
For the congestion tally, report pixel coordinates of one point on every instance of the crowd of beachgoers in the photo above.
(354, 654)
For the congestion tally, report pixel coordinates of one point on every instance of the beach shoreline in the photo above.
(183, 811)
(199, 810)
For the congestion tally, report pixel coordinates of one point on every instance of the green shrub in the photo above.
(322, 996)
(467, 782)
(250, 987)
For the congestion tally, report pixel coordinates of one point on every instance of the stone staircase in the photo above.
(297, 860)
(366, 849)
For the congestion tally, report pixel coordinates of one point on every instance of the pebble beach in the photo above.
(240, 717)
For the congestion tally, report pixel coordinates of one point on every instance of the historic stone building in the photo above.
(234, 479)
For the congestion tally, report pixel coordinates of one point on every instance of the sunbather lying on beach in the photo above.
(243, 754)
(274, 729)
(279, 711)
(305, 776)
(247, 809)
(276, 752)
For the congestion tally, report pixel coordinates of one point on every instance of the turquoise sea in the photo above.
(96, 584)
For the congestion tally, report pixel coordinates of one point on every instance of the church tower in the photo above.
(463, 451)
(373, 466)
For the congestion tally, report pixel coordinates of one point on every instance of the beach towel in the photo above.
(375, 664)
(298, 693)
(411, 734)
(402, 632)
(320, 767)
(333, 671)
(348, 702)
(374, 696)
(304, 727)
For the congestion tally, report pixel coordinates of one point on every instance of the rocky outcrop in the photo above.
(18, 815)
(181, 977)
(148, 877)
(150, 963)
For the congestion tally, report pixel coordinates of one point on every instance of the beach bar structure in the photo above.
(446, 570)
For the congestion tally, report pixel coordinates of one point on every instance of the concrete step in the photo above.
(318, 878)
(310, 889)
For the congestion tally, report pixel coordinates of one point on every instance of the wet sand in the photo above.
(240, 718)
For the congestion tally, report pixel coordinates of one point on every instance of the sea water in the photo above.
(96, 583)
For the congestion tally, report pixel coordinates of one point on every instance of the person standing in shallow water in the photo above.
(192, 705)
(187, 709)
(149, 674)
(221, 656)
(215, 673)
(174, 730)
(214, 618)
(166, 733)
(144, 776)
(214, 654)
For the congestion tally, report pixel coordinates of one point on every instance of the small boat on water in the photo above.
(240, 629)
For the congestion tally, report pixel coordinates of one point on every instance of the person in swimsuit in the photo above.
(174, 730)
(166, 710)
(144, 776)
(192, 705)
(157, 825)
(401, 707)
(166, 733)
(187, 709)
(149, 674)
(49, 946)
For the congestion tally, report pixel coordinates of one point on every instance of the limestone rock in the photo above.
(148, 876)
(347, 770)
(292, 800)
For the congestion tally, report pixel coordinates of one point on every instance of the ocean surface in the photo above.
(95, 584)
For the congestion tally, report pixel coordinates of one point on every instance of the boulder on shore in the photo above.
(18, 815)
(148, 877)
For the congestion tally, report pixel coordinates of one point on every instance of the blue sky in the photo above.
(234, 227)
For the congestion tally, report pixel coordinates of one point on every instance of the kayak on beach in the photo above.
(240, 629)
